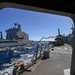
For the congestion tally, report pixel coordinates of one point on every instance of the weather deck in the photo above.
(58, 63)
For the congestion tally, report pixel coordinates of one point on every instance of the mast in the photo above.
(72, 29)
(58, 32)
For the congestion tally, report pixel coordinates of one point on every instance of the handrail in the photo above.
(35, 54)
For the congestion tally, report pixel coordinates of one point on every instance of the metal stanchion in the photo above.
(40, 51)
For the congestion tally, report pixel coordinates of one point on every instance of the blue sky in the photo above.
(36, 24)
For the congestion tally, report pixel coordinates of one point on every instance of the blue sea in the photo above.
(7, 55)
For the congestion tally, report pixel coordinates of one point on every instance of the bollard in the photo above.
(46, 52)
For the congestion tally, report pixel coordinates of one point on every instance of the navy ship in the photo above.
(14, 37)
(59, 39)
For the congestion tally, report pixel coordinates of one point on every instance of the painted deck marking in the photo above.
(67, 71)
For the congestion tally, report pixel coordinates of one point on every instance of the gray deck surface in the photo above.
(60, 59)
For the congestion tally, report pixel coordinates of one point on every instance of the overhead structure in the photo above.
(65, 8)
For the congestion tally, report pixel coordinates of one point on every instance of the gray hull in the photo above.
(13, 44)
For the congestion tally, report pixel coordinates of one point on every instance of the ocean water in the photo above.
(13, 55)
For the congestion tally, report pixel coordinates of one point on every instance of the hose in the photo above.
(5, 73)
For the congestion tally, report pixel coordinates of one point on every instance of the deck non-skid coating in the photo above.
(56, 64)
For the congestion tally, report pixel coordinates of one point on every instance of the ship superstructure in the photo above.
(59, 39)
(14, 36)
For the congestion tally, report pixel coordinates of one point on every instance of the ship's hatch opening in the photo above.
(31, 26)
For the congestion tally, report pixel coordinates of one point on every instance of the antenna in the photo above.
(58, 31)
(16, 24)
(72, 28)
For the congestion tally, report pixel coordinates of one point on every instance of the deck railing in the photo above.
(38, 54)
